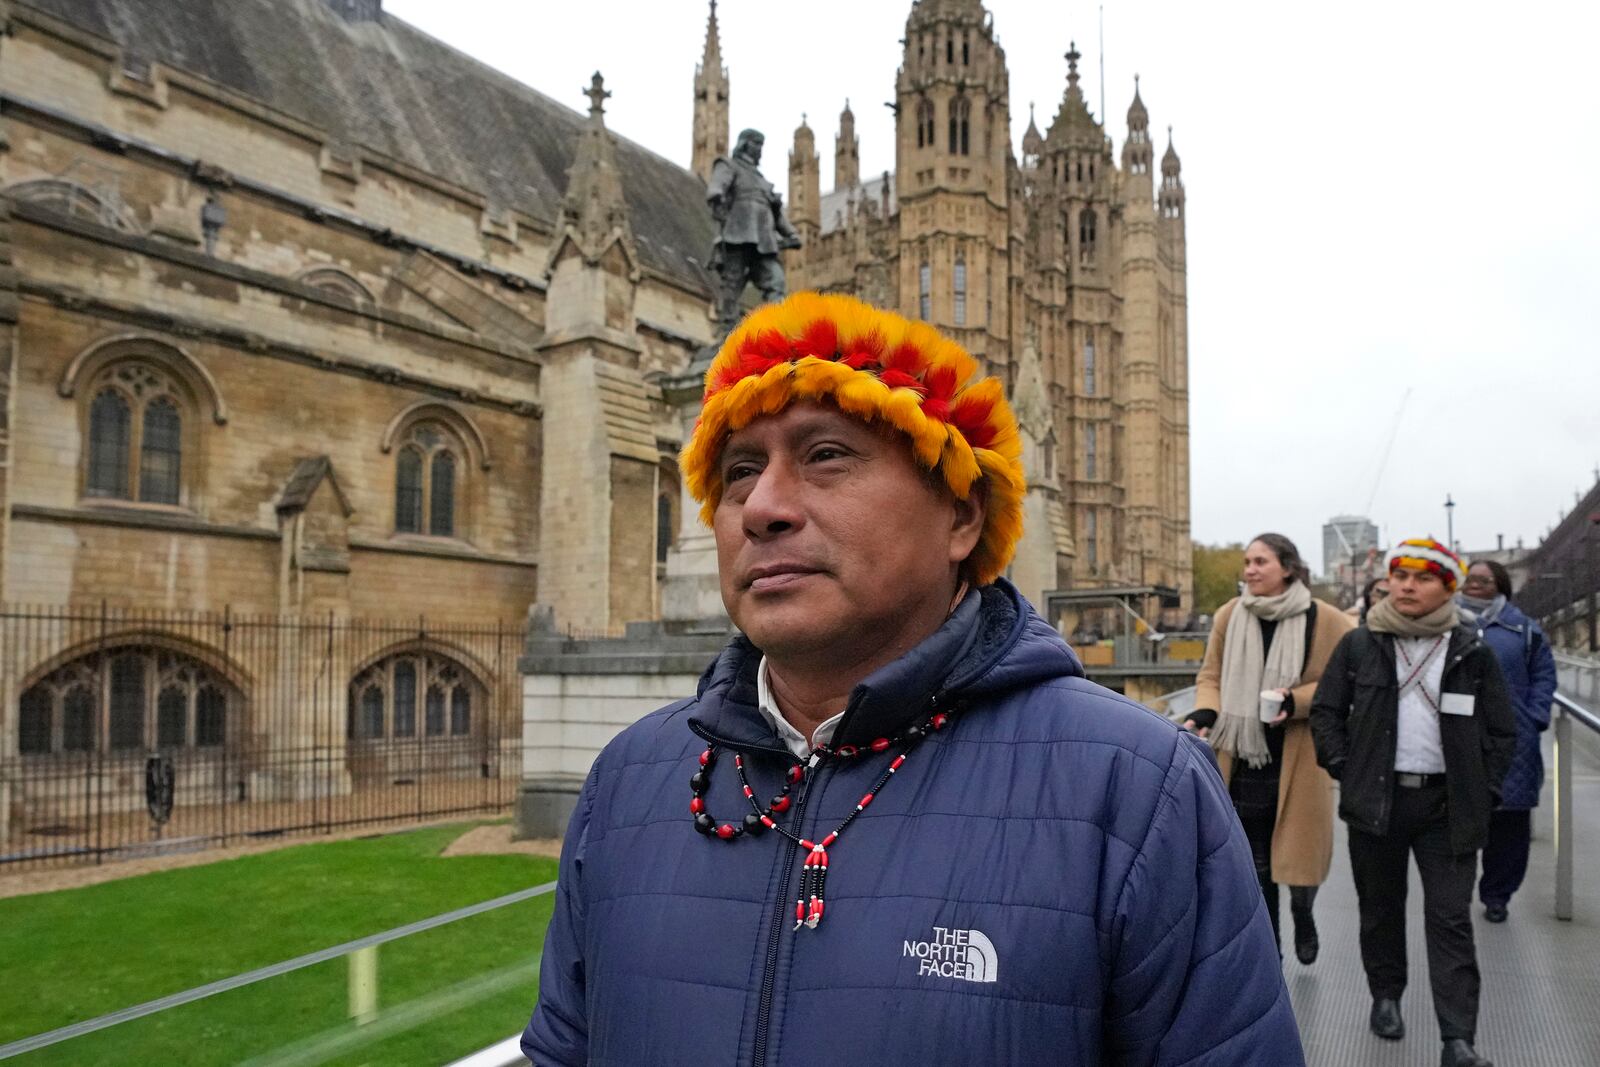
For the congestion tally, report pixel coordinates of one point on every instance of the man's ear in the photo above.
(966, 524)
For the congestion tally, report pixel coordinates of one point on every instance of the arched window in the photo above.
(408, 491)
(108, 445)
(966, 50)
(442, 494)
(128, 700)
(405, 698)
(959, 287)
(334, 280)
(1091, 538)
(103, 205)
(1088, 366)
(925, 291)
(384, 698)
(1086, 236)
(924, 123)
(663, 527)
(135, 442)
(427, 489)
(960, 122)
(1090, 451)
(161, 452)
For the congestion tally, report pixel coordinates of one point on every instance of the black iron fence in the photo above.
(126, 732)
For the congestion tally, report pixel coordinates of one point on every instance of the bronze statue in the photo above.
(754, 229)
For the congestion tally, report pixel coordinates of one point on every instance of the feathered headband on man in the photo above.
(876, 366)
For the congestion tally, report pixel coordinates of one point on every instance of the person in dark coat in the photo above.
(1530, 670)
(1413, 719)
(895, 825)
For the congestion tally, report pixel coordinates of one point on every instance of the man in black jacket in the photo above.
(1414, 720)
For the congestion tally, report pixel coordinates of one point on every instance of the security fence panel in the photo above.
(126, 732)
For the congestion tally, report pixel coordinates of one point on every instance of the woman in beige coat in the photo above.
(1273, 639)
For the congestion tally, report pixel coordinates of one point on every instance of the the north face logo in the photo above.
(964, 954)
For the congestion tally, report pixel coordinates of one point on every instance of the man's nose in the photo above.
(773, 506)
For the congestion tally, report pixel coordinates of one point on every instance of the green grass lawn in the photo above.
(72, 955)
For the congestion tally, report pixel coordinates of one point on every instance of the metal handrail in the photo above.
(507, 1053)
(1567, 711)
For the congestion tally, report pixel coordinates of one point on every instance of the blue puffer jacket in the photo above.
(1530, 671)
(1056, 877)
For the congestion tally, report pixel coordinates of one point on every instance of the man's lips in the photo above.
(776, 575)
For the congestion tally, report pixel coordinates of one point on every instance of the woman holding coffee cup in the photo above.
(1253, 694)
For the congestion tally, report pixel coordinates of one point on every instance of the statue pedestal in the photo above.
(691, 592)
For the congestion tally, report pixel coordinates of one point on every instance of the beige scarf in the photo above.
(1385, 618)
(1247, 669)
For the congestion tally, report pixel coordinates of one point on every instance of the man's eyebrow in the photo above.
(821, 425)
(739, 450)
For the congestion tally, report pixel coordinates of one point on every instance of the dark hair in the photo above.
(1288, 555)
(1502, 577)
(1366, 592)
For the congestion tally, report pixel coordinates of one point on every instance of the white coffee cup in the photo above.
(1271, 704)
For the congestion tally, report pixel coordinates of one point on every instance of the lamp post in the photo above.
(1450, 522)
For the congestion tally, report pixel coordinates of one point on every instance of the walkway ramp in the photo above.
(1540, 1005)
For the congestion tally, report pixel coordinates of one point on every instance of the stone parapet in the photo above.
(578, 694)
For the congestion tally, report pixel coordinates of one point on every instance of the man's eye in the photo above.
(823, 453)
(738, 471)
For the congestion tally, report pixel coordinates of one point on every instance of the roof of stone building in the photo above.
(376, 81)
(303, 481)
(835, 208)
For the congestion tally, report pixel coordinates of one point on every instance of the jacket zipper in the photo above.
(769, 974)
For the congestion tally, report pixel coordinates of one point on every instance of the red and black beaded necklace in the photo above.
(809, 906)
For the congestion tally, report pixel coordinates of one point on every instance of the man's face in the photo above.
(751, 146)
(831, 540)
(1416, 593)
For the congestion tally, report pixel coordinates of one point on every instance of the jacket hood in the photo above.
(992, 643)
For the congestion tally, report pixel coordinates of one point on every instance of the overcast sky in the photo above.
(1393, 210)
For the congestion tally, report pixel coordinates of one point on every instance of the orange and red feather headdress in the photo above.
(875, 365)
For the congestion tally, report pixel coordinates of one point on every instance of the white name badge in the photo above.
(1456, 703)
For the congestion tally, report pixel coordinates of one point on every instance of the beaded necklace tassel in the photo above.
(808, 909)
(811, 902)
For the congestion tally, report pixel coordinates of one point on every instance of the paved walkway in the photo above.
(1540, 1005)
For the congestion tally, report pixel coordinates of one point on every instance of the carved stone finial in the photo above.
(597, 95)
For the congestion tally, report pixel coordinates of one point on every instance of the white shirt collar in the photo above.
(793, 739)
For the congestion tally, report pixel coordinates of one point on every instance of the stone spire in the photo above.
(1136, 149)
(1073, 122)
(1171, 182)
(593, 233)
(1138, 117)
(847, 152)
(710, 103)
(1032, 140)
(805, 181)
(593, 212)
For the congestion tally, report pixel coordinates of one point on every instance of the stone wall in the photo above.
(578, 695)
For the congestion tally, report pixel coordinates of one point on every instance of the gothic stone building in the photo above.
(1063, 270)
(311, 325)
(306, 316)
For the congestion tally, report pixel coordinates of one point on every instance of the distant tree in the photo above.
(1216, 575)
